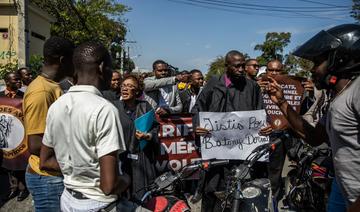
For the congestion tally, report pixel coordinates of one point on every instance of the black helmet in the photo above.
(340, 44)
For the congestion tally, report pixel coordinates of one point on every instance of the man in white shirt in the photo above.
(84, 131)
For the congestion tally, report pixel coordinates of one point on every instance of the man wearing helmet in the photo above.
(336, 57)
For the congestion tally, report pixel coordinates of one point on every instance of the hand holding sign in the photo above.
(200, 131)
(266, 130)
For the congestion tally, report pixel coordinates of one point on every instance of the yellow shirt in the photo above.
(40, 94)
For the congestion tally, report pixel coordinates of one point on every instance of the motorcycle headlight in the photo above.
(251, 192)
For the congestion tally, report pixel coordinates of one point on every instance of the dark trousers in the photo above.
(276, 162)
(17, 180)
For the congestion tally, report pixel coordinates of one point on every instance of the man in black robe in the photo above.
(232, 91)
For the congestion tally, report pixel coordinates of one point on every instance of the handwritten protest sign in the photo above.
(233, 134)
(293, 93)
(177, 145)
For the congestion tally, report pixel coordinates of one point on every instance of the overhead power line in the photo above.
(312, 9)
(320, 3)
(283, 13)
(258, 8)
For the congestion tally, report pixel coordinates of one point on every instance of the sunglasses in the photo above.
(274, 70)
(254, 65)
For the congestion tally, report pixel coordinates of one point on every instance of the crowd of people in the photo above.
(86, 152)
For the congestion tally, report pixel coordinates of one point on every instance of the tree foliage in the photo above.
(355, 12)
(217, 67)
(85, 20)
(298, 66)
(273, 46)
(35, 64)
(8, 67)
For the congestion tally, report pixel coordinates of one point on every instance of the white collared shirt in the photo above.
(164, 98)
(81, 127)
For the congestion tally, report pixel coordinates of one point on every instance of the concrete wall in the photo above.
(8, 32)
(39, 26)
(27, 29)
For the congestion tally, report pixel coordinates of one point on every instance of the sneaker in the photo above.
(12, 194)
(196, 198)
(22, 195)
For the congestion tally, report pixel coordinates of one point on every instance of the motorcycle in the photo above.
(245, 194)
(242, 193)
(307, 185)
(163, 195)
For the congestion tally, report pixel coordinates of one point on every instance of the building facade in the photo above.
(23, 30)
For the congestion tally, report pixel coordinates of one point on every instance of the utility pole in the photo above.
(128, 56)
(123, 55)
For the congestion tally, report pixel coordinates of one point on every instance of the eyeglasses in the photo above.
(128, 86)
(254, 65)
(239, 65)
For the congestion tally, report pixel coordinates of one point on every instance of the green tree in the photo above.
(273, 46)
(355, 12)
(129, 65)
(217, 67)
(35, 64)
(298, 66)
(8, 67)
(86, 20)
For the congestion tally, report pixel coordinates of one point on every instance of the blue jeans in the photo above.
(46, 191)
(336, 202)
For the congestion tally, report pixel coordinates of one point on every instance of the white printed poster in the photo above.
(233, 135)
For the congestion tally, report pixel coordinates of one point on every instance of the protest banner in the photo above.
(233, 135)
(13, 140)
(177, 143)
(293, 93)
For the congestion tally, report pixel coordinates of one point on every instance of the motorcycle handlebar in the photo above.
(205, 164)
(168, 178)
(269, 146)
(262, 150)
(304, 159)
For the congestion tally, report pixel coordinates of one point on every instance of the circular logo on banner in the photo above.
(12, 132)
(13, 140)
(277, 122)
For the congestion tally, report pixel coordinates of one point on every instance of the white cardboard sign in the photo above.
(233, 134)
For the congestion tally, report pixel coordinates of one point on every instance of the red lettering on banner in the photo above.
(177, 145)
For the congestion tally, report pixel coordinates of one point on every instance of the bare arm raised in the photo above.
(312, 135)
